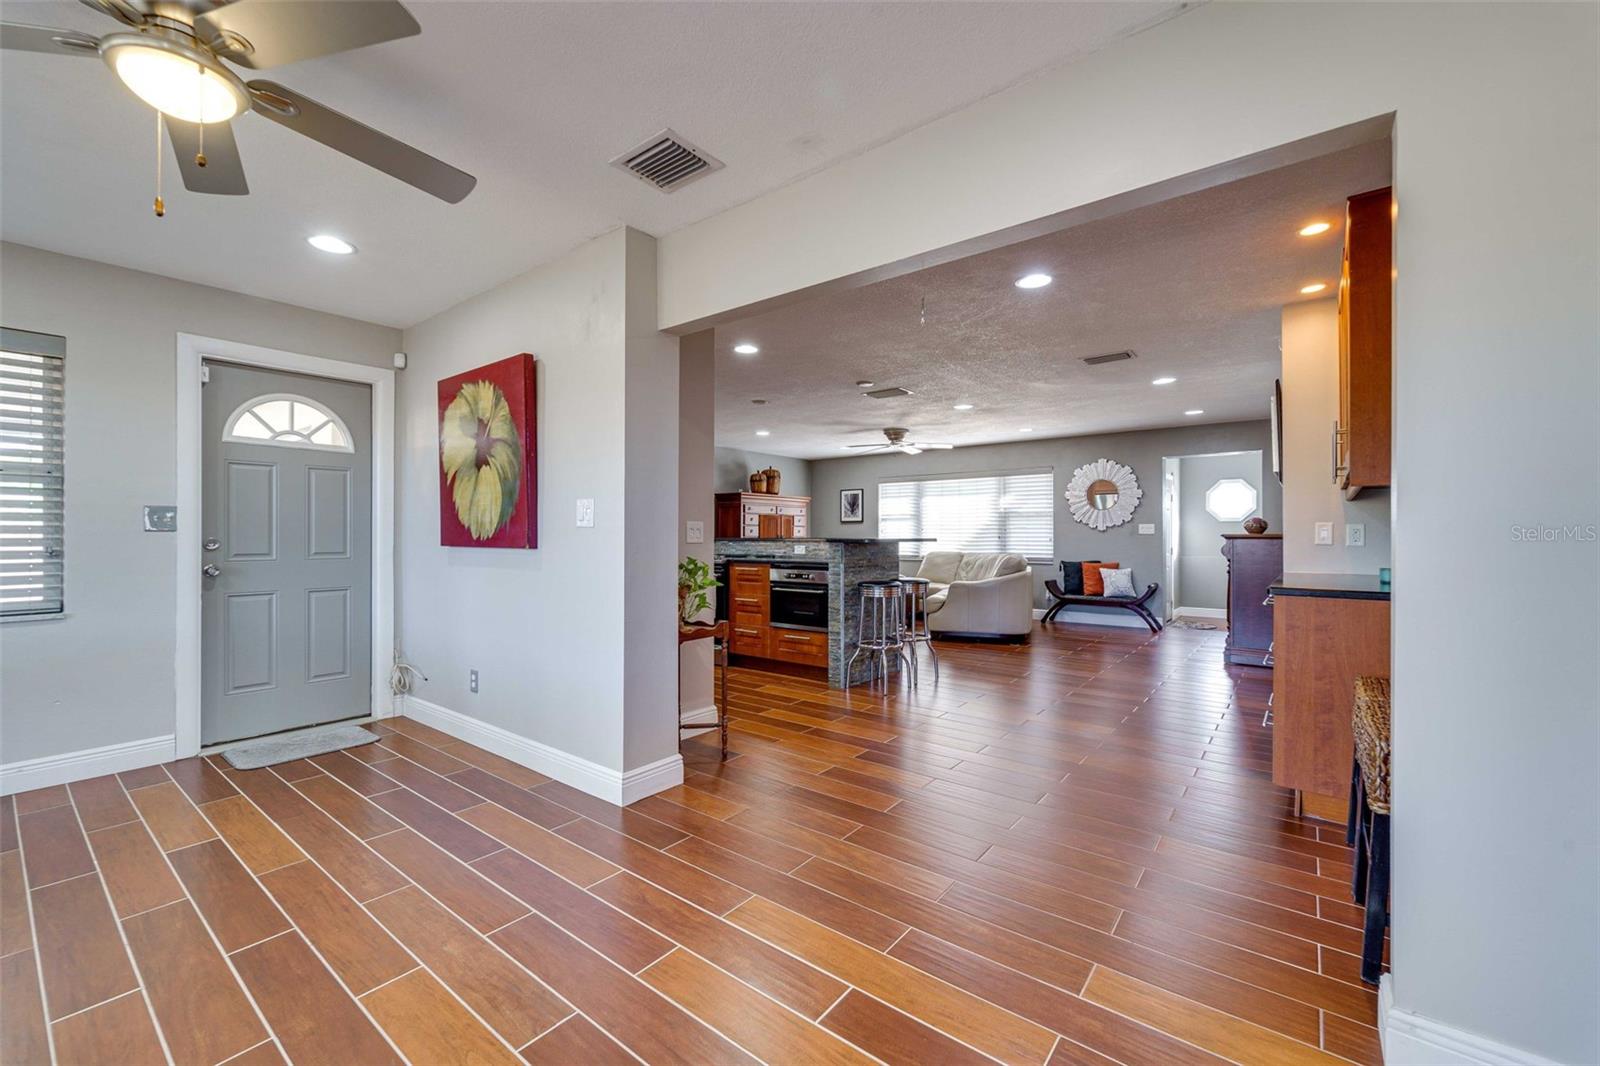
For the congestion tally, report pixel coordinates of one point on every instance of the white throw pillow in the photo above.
(1119, 582)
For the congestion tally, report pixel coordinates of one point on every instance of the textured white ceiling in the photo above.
(1193, 285)
(532, 98)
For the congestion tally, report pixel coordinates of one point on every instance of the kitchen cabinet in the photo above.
(754, 514)
(748, 608)
(1361, 437)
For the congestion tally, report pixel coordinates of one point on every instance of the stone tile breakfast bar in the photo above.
(794, 601)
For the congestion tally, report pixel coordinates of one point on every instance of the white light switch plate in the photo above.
(1355, 535)
(694, 532)
(1324, 534)
(1147, 529)
(585, 512)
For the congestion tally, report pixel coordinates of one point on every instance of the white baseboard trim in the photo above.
(599, 781)
(1410, 1039)
(1202, 612)
(27, 774)
(706, 715)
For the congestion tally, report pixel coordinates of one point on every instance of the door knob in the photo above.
(211, 544)
(211, 570)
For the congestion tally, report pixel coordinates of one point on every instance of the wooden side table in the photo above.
(717, 632)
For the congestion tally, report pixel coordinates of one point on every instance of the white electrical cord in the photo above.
(402, 677)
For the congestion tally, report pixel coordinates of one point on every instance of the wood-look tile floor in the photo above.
(1068, 851)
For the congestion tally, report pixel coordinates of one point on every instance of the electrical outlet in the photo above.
(1324, 533)
(472, 681)
(1355, 535)
(695, 532)
(585, 512)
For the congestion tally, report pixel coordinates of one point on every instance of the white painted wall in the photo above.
(1496, 927)
(697, 428)
(103, 673)
(1310, 407)
(562, 635)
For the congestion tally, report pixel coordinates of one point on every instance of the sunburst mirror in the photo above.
(1103, 494)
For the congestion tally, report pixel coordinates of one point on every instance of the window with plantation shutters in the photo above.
(1011, 512)
(32, 408)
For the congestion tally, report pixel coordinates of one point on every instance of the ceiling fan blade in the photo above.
(15, 37)
(270, 33)
(121, 10)
(868, 446)
(223, 174)
(344, 134)
(908, 449)
(934, 447)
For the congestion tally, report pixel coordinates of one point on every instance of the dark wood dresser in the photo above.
(1254, 563)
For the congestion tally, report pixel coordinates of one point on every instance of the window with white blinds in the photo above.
(1012, 512)
(32, 406)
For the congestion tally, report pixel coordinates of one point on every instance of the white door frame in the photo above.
(192, 351)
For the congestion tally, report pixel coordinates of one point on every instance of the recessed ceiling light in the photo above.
(1163, 381)
(865, 384)
(963, 407)
(1033, 281)
(1196, 411)
(327, 242)
(746, 348)
(763, 433)
(1315, 286)
(1314, 229)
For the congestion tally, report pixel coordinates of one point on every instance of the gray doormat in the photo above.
(303, 744)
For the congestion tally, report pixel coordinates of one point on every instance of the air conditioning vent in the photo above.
(1109, 357)
(888, 394)
(667, 161)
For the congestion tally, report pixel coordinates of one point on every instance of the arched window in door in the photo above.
(287, 421)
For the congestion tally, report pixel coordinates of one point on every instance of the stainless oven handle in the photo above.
(799, 588)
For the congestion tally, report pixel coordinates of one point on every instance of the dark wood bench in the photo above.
(1127, 603)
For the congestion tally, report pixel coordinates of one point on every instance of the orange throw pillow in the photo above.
(1094, 583)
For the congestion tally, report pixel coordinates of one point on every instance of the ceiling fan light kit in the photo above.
(173, 60)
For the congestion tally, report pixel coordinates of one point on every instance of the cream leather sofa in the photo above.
(982, 593)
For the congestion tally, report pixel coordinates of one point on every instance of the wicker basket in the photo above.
(1369, 724)
(758, 481)
(774, 480)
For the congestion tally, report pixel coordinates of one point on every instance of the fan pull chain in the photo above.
(200, 155)
(161, 206)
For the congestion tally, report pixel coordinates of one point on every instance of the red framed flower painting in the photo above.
(488, 494)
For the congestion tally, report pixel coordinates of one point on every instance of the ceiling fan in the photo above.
(172, 57)
(897, 443)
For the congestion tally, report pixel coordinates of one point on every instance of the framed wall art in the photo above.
(488, 496)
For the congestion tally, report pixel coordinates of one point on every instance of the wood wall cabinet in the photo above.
(1361, 439)
(748, 608)
(753, 514)
(1254, 563)
(1321, 645)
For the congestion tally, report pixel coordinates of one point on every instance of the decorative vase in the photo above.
(758, 481)
(774, 480)
(1255, 526)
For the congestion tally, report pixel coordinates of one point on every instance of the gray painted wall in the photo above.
(735, 465)
(103, 673)
(696, 467)
(1202, 571)
(1143, 451)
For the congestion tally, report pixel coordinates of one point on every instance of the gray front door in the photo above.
(286, 526)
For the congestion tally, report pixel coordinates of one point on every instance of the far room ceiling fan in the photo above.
(172, 57)
(897, 443)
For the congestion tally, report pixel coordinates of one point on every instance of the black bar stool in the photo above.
(1368, 827)
(880, 629)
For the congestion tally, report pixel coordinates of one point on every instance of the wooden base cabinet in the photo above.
(1321, 645)
(748, 608)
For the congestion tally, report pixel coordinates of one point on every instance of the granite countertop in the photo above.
(1331, 586)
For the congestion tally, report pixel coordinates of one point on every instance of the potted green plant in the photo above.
(694, 578)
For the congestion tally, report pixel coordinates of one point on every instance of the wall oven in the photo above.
(799, 597)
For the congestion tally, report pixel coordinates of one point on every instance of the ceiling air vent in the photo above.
(1109, 357)
(667, 161)
(888, 394)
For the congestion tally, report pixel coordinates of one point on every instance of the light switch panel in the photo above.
(1355, 535)
(694, 532)
(585, 512)
(160, 518)
(1324, 533)
(1147, 529)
